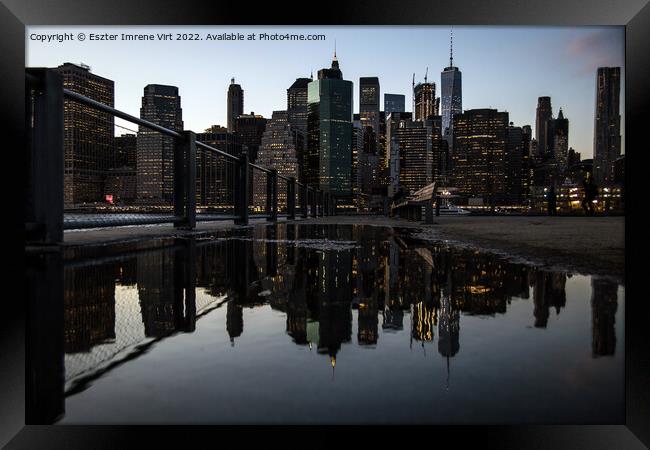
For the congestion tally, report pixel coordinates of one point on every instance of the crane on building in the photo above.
(413, 94)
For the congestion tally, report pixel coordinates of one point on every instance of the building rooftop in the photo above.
(300, 83)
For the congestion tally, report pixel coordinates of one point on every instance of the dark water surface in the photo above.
(297, 323)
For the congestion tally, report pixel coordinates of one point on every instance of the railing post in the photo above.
(314, 208)
(44, 333)
(291, 198)
(333, 206)
(326, 204)
(304, 201)
(272, 195)
(44, 193)
(241, 190)
(185, 181)
(190, 286)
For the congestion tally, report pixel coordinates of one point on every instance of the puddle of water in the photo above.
(298, 323)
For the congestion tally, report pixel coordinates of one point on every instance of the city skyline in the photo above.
(569, 58)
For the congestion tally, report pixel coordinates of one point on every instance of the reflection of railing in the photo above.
(101, 333)
(44, 203)
(129, 332)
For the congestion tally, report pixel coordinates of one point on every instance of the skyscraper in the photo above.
(451, 95)
(382, 173)
(214, 174)
(479, 156)
(297, 115)
(126, 150)
(561, 142)
(235, 105)
(416, 162)
(369, 96)
(607, 128)
(88, 135)
(394, 103)
(277, 151)
(121, 179)
(357, 151)
(440, 149)
(328, 161)
(514, 164)
(250, 128)
(526, 164)
(155, 161)
(426, 104)
(297, 104)
(392, 156)
(369, 116)
(543, 115)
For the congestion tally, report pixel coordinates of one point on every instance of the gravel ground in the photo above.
(589, 245)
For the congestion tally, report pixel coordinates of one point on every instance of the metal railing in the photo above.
(44, 223)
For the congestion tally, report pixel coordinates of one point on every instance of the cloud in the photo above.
(597, 49)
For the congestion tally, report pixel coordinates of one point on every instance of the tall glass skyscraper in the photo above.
(394, 103)
(328, 162)
(452, 96)
(297, 116)
(297, 104)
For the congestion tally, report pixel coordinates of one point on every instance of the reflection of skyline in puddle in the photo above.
(363, 276)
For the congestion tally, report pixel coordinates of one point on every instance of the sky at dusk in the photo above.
(506, 68)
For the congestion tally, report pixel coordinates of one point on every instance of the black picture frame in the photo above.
(16, 14)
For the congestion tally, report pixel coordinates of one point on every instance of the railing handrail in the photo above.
(216, 150)
(49, 102)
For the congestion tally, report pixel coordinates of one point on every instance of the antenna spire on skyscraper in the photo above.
(451, 48)
(334, 49)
